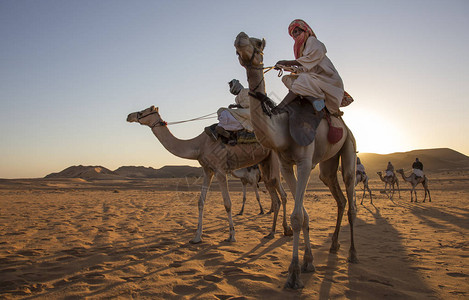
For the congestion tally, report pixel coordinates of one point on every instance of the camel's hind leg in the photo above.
(287, 231)
(244, 199)
(255, 187)
(425, 187)
(328, 175)
(349, 157)
(208, 175)
(271, 176)
(227, 202)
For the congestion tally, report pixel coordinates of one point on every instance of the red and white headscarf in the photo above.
(300, 40)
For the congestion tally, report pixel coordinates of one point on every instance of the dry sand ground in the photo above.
(71, 239)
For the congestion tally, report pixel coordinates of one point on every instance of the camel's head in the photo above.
(249, 50)
(379, 173)
(400, 171)
(149, 117)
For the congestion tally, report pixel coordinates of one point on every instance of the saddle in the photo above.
(235, 137)
(305, 114)
(304, 118)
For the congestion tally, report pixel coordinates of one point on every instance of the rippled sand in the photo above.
(67, 239)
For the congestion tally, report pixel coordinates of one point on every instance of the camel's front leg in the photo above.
(227, 202)
(298, 222)
(208, 175)
(244, 199)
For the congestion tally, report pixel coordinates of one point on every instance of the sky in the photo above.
(71, 72)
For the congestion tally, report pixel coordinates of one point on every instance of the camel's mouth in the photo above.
(132, 117)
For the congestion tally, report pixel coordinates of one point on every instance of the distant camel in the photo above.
(391, 181)
(414, 181)
(362, 177)
(219, 159)
(252, 176)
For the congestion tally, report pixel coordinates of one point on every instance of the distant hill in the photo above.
(137, 172)
(164, 172)
(99, 172)
(85, 172)
(434, 160)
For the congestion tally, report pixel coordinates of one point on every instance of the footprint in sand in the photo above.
(186, 272)
(94, 278)
(212, 278)
(175, 264)
(225, 297)
(454, 274)
(272, 257)
(185, 289)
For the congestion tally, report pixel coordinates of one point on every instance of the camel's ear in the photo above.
(157, 109)
(263, 44)
(152, 107)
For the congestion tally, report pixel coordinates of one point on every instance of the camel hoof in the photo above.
(261, 213)
(287, 231)
(195, 241)
(353, 259)
(294, 281)
(334, 249)
(230, 239)
(352, 256)
(270, 236)
(239, 214)
(308, 267)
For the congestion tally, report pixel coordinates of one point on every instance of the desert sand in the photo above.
(75, 239)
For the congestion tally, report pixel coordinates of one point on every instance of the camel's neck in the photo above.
(405, 177)
(182, 148)
(270, 131)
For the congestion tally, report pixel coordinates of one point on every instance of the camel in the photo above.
(391, 181)
(218, 160)
(273, 133)
(362, 177)
(251, 176)
(414, 181)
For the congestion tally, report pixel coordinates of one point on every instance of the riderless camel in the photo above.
(273, 133)
(250, 175)
(390, 181)
(362, 177)
(219, 159)
(414, 181)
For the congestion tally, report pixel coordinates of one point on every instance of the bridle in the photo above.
(250, 65)
(140, 116)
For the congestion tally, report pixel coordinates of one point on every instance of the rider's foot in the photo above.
(221, 131)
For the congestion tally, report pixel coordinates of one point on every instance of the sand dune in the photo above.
(63, 239)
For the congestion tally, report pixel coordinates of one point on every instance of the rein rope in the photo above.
(164, 123)
(205, 117)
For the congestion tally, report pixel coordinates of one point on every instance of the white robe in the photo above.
(236, 118)
(317, 76)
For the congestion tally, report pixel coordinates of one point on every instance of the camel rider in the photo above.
(234, 118)
(417, 168)
(360, 168)
(313, 73)
(390, 170)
